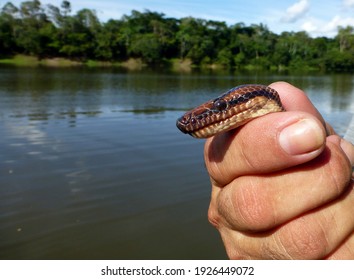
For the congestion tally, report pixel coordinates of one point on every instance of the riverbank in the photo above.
(130, 64)
(31, 61)
(136, 64)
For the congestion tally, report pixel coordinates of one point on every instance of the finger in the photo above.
(294, 99)
(345, 250)
(348, 148)
(253, 203)
(311, 236)
(273, 142)
(258, 143)
(317, 234)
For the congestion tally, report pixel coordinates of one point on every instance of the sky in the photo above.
(317, 17)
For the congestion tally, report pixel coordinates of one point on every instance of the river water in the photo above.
(93, 167)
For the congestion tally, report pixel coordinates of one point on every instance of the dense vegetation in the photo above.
(49, 31)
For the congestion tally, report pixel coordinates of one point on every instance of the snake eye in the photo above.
(220, 104)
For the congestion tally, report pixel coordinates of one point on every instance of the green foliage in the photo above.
(49, 31)
(147, 47)
(225, 57)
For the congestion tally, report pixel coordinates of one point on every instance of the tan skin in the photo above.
(282, 188)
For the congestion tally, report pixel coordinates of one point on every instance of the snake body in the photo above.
(232, 109)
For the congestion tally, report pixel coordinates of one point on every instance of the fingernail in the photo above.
(302, 137)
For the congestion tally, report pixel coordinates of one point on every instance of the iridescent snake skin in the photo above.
(232, 109)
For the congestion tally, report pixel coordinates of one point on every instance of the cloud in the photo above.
(309, 26)
(316, 27)
(339, 21)
(296, 11)
(348, 3)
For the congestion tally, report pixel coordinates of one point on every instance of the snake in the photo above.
(232, 109)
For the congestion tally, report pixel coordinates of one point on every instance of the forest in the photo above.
(48, 31)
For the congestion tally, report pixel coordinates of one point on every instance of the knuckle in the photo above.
(213, 217)
(340, 171)
(254, 207)
(303, 240)
(249, 207)
(249, 157)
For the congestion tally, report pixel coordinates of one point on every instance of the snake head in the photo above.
(196, 118)
(183, 122)
(230, 110)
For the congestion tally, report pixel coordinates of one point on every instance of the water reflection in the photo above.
(92, 165)
(43, 93)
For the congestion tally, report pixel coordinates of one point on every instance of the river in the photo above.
(93, 167)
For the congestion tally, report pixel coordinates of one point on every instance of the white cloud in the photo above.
(348, 3)
(309, 26)
(338, 21)
(296, 11)
(316, 27)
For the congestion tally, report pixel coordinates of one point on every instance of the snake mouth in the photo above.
(197, 119)
(209, 125)
(230, 110)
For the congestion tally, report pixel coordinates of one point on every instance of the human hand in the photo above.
(282, 188)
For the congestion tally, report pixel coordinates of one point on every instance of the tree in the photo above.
(110, 42)
(66, 8)
(34, 33)
(345, 38)
(147, 47)
(225, 57)
(10, 10)
(193, 40)
(48, 30)
(7, 25)
(78, 35)
(149, 36)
